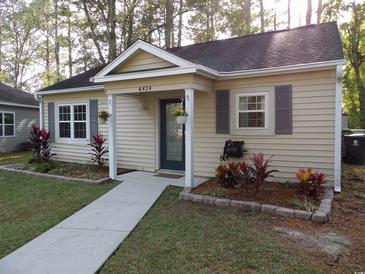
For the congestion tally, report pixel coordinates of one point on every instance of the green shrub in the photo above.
(45, 167)
(307, 205)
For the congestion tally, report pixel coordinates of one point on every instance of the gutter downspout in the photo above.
(338, 129)
(40, 99)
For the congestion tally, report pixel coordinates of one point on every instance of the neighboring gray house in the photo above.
(19, 110)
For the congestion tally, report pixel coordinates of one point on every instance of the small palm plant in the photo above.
(98, 150)
(260, 170)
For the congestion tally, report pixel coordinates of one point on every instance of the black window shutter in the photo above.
(283, 110)
(222, 112)
(51, 120)
(93, 104)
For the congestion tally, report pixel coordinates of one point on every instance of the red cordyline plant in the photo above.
(260, 170)
(98, 150)
(46, 145)
(310, 182)
(42, 144)
(35, 139)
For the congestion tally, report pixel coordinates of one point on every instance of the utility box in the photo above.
(355, 149)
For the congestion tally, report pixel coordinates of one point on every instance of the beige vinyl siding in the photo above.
(70, 152)
(135, 125)
(142, 61)
(310, 145)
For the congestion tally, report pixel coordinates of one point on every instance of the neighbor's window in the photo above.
(7, 124)
(72, 121)
(251, 111)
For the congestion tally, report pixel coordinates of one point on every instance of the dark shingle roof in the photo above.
(9, 94)
(308, 44)
(80, 80)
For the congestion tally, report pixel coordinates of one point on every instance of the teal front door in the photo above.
(172, 138)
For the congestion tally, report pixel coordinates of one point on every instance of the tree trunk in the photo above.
(308, 18)
(47, 59)
(289, 14)
(262, 16)
(56, 39)
(69, 44)
(179, 34)
(112, 36)
(130, 26)
(169, 22)
(92, 30)
(248, 16)
(319, 11)
(1, 46)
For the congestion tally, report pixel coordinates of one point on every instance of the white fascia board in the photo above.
(277, 70)
(17, 105)
(145, 74)
(139, 44)
(69, 90)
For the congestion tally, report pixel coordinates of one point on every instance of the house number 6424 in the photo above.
(145, 88)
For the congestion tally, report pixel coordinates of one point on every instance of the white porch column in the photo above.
(189, 138)
(338, 129)
(112, 137)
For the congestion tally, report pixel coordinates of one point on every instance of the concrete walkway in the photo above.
(84, 241)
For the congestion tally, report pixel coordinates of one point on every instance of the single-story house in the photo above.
(279, 92)
(19, 110)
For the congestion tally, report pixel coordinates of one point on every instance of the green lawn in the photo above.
(31, 205)
(182, 237)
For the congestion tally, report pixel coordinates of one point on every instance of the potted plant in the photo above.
(180, 114)
(103, 116)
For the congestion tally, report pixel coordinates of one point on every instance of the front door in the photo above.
(172, 137)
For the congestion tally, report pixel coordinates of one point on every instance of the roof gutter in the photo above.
(69, 90)
(17, 105)
(269, 71)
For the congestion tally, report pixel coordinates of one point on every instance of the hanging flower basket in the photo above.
(180, 114)
(181, 120)
(103, 116)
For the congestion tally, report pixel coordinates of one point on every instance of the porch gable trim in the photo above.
(149, 48)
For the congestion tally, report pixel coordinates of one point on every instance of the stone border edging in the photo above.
(52, 176)
(320, 216)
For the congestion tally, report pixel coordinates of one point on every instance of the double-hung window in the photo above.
(7, 124)
(252, 110)
(72, 121)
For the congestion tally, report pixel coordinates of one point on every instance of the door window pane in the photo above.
(174, 135)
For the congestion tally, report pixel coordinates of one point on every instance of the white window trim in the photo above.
(72, 140)
(3, 124)
(266, 110)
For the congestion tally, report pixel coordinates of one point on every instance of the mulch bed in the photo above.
(280, 194)
(348, 219)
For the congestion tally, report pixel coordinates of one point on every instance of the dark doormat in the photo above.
(171, 176)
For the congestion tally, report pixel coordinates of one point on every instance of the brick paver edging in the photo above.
(11, 168)
(321, 215)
